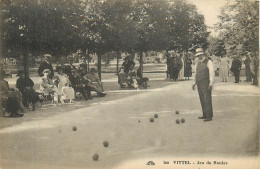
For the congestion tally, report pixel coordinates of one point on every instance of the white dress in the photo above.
(64, 90)
(181, 73)
(223, 68)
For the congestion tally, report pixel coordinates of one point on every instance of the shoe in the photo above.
(208, 119)
(202, 117)
(19, 115)
(102, 94)
(13, 115)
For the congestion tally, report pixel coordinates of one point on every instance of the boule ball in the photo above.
(105, 143)
(74, 128)
(151, 119)
(139, 121)
(183, 120)
(156, 116)
(177, 121)
(95, 157)
(177, 112)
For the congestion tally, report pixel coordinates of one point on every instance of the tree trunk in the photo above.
(141, 60)
(167, 64)
(99, 65)
(26, 59)
(117, 61)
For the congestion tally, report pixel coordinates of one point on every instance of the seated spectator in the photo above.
(142, 81)
(82, 75)
(132, 75)
(77, 84)
(10, 100)
(122, 78)
(64, 90)
(47, 86)
(25, 85)
(94, 82)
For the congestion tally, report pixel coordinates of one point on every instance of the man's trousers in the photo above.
(237, 75)
(205, 98)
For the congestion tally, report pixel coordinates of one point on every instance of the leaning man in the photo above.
(204, 79)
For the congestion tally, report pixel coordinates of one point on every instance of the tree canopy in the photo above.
(239, 27)
(99, 26)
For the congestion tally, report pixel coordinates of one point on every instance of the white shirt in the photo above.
(211, 71)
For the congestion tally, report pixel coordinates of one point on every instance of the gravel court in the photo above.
(44, 140)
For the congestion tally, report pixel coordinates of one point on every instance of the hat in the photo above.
(46, 70)
(93, 70)
(58, 68)
(74, 70)
(20, 72)
(47, 56)
(199, 51)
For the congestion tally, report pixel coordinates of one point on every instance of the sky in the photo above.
(210, 9)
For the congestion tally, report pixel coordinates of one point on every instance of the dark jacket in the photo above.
(236, 65)
(22, 83)
(45, 65)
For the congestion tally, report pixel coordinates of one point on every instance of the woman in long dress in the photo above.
(181, 73)
(64, 91)
(47, 86)
(187, 68)
(223, 69)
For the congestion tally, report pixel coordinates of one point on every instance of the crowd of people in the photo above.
(67, 82)
(60, 86)
(179, 66)
(129, 78)
(251, 63)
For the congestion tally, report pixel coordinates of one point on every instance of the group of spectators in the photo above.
(60, 85)
(179, 66)
(129, 78)
(68, 81)
(251, 68)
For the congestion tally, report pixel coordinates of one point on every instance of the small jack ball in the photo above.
(177, 112)
(182, 120)
(156, 116)
(74, 128)
(105, 143)
(95, 157)
(177, 121)
(139, 121)
(151, 119)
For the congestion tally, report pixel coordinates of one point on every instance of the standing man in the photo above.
(247, 66)
(254, 64)
(236, 67)
(46, 64)
(204, 79)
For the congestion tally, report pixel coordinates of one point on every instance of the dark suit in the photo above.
(45, 65)
(235, 68)
(202, 81)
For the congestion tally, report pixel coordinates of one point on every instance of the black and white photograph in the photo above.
(129, 84)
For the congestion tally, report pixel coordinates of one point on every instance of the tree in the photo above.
(239, 27)
(216, 46)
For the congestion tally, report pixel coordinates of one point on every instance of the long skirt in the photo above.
(68, 93)
(223, 71)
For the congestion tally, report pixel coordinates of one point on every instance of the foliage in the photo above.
(99, 26)
(239, 27)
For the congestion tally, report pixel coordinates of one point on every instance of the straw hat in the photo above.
(47, 56)
(199, 51)
(46, 71)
